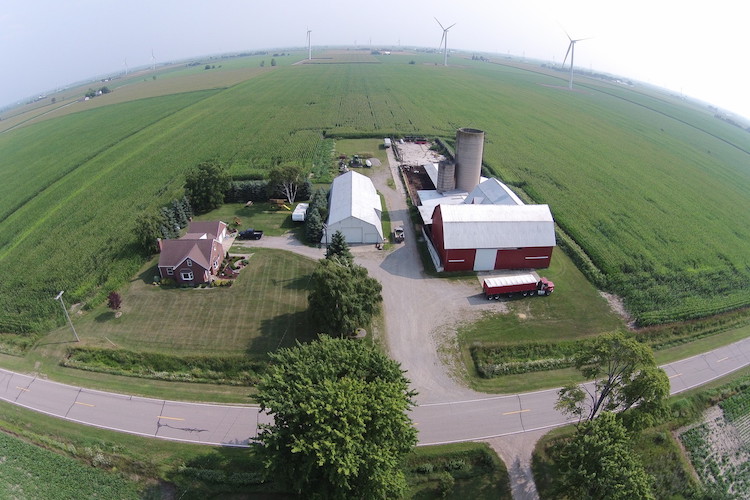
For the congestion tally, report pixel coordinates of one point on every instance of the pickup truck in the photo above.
(250, 234)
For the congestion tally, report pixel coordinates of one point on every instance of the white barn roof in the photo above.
(492, 192)
(497, 226)
(354, 195)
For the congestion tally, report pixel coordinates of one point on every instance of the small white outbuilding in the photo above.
(354, 209)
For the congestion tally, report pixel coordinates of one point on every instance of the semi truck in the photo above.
(518, 284)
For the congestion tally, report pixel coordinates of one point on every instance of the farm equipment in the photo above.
(250, 234)
(356, 162)
(519, 284)
(398, 234)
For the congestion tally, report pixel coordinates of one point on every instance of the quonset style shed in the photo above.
(354, 209)
(484, 237)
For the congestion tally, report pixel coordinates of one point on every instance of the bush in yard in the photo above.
(114, 301)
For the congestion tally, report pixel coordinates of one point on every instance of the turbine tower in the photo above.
(571, 51)
(153, 60)
(444, 41)
(126, 66)
(309, 47)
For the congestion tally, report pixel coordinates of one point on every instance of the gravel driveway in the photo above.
(420, 312)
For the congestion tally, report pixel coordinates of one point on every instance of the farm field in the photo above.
(607, 167)
(30, 471)
(719, 447)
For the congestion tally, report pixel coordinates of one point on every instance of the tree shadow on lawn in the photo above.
(148, 276)
(282, 331)
(296, 283)
(105, 316)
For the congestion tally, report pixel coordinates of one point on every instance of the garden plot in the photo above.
(719, 449)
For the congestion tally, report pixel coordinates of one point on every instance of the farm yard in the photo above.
(671, 253)
(651, 198)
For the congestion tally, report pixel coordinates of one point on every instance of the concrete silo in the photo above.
(446, 180)
(469, 149)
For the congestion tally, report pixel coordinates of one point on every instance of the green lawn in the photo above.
(264, 217)
(575, 310)
(265, 309)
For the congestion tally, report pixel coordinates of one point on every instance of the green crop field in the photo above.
(656, 193)
(30, 471)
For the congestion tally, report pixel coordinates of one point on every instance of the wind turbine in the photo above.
(444, 41)
(309, 47)
(153, 60)
(571, 51)
(126, 66)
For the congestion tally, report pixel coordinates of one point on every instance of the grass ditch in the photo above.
(463, 470)
(228, 370)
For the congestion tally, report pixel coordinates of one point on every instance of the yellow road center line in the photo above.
(722, 359)
(675, 375)
(514, 412)
(83, 404)
(23, 389)
(169, 418)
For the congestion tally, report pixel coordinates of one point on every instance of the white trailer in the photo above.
(299, 212)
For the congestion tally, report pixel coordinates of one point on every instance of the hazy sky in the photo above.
(697, 48)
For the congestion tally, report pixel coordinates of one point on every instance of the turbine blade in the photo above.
(436, 19)
(449, 27)
(441, 40)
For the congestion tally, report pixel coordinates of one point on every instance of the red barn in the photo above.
(488, 237)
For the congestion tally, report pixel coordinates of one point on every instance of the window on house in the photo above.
(187, 275)
(190, 263)
(170, 271)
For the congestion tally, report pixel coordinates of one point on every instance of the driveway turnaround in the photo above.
(228, 425)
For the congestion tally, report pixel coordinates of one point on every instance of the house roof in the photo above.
(497, 226)
(204, 230)
(200, 251)
(353, 195)
(492, 192)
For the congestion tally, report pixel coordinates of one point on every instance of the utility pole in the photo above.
(59, 297)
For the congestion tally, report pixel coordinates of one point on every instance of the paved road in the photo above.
(227, 425)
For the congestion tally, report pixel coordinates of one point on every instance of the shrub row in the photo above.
(221, 477)
(228, 370)
(258, 191)
(497, 360)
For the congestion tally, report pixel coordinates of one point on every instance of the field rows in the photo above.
(661, 207)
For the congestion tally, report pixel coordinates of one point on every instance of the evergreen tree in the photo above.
(339, 249)
(314, 227)
(178, 210)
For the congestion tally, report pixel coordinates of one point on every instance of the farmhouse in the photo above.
(354, 209)
(196, 256)
(480, 224)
